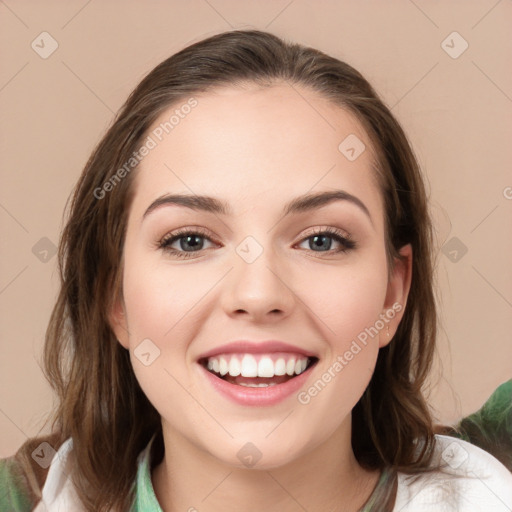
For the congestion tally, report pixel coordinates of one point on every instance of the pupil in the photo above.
(192, 244)
(319, 245)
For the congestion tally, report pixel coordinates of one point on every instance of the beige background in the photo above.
(457, 112)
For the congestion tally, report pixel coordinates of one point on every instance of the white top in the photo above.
(58, 493)
(485, 486)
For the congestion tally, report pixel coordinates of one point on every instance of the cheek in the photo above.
(348, 308)
(157, 299)
(159, 317)
(348, 299)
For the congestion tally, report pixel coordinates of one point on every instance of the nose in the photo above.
(260, 290)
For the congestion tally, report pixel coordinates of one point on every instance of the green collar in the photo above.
(145, 498)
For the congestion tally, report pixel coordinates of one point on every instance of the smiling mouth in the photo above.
(257, 381)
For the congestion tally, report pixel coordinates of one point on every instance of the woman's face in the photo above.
(257, 271)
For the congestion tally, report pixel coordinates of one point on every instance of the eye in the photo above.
(191, 239)
(319, 239)
(187, 238)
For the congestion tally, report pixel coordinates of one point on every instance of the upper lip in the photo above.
(255, 347)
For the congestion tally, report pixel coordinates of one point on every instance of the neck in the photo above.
(327, 477)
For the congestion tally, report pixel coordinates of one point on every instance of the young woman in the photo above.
(247, 318)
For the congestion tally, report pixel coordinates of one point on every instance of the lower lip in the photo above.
(270, 395)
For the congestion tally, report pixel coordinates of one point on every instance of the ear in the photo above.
(118, 323)
(396, 296)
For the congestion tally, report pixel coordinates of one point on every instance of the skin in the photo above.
(257, 148)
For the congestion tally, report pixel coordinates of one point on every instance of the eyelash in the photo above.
(347, 244)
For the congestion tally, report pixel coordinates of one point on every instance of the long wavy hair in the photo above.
(99, 402)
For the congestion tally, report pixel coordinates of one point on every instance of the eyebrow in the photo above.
(301, 204)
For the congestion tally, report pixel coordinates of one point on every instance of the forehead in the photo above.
(252, 141)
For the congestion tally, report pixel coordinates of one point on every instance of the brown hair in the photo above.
(100, 404)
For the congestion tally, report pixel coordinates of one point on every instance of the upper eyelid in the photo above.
(330, 230)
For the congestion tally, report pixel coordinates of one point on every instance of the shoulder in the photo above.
(14, 494)
(491, 426)
(472, 480)
(38, 478)
(58, 492)
(23, 474)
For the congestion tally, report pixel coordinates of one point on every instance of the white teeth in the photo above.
(280, 367)
(216, 365)
(265, 367)
(250, 367)
(290, 366)
(223, 366)
(262, 385)
(234, 367)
